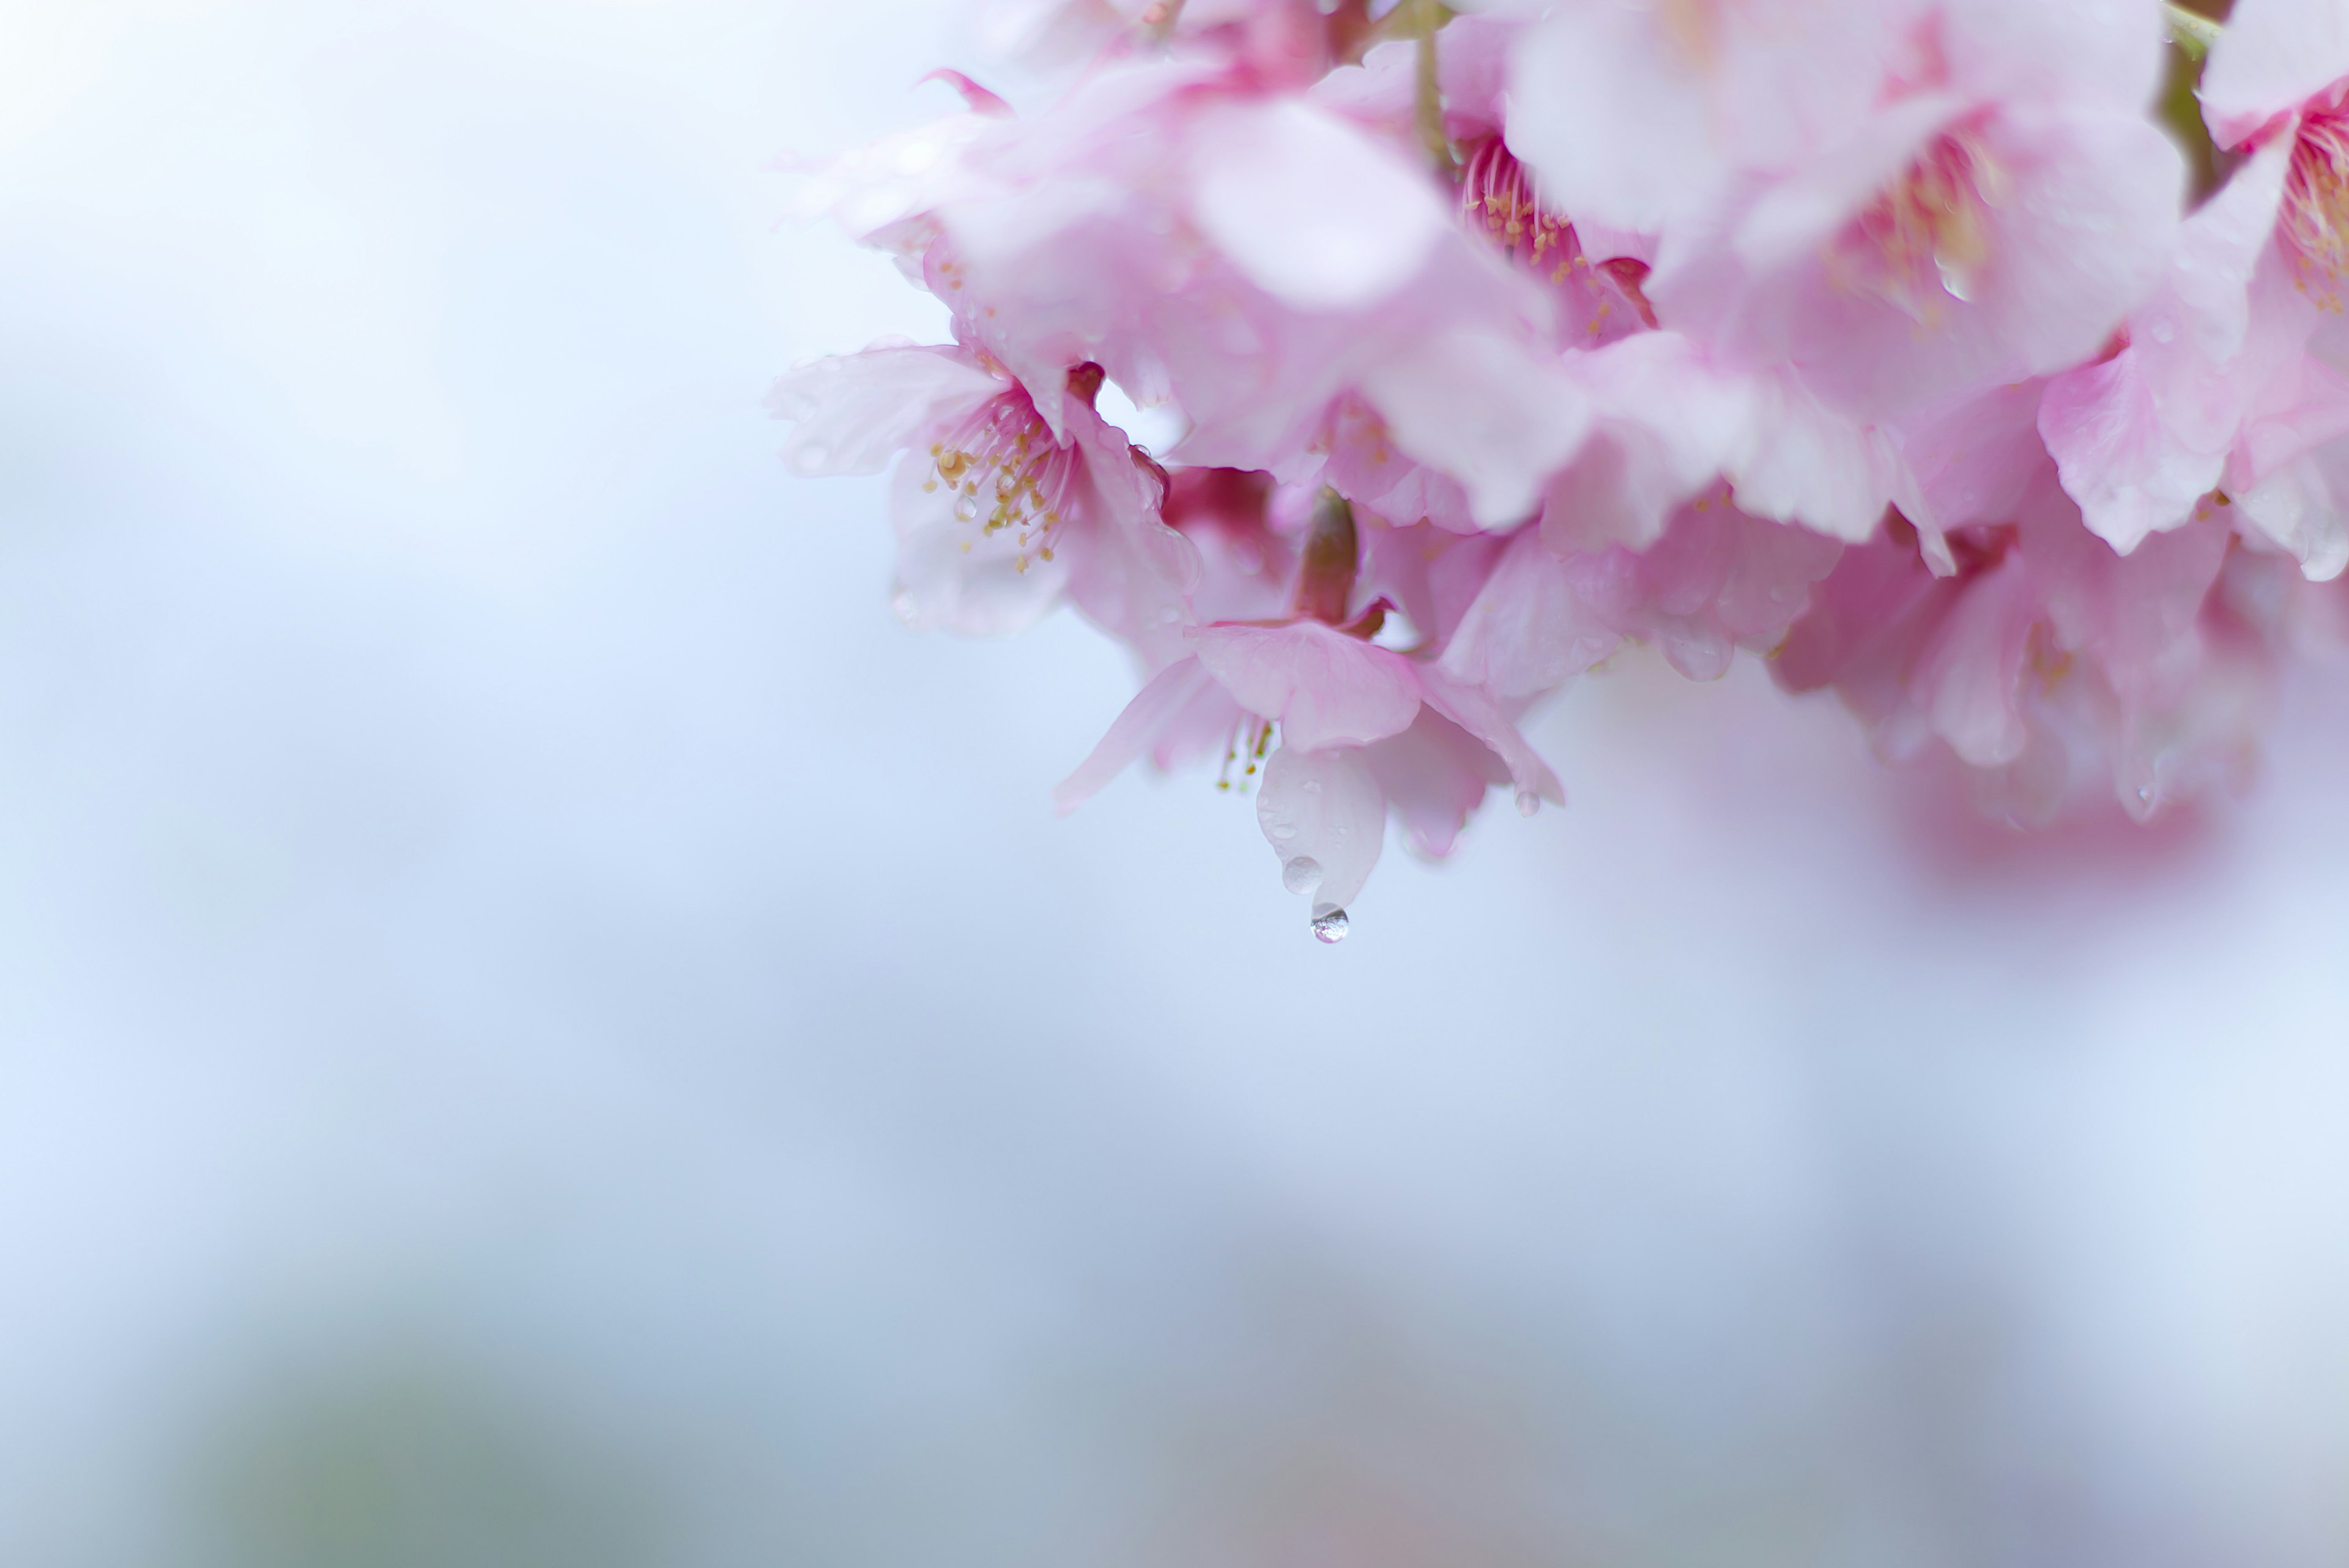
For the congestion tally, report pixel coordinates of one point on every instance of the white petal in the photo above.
(1324, 807)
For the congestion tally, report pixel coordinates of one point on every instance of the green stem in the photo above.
(2192, 34)
(1427, 108)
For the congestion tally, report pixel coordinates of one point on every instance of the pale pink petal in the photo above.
(1134, 732)
(1796, 461)
(1795, 216)
(1313, 211)
(2303, 509)
(1528, 630)
(953, 577)
(1667, 424)
(2111, 49)
(1474, 709)
(1493, 414)
(856, 411)
(1967, 677)
(1435, 774)
(2120, 461)
(1971, 462)
(1634, 114)
(2141, 436)
(1325, 687)
(2071, 222)
(2274, 56)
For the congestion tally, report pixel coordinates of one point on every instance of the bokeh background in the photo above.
(538, 1028)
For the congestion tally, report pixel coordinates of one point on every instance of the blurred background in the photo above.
(538, 1026)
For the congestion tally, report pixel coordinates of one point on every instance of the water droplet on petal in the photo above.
(2163, 331)
(967, 507)
(1528, 803)
(1330, 924)
(906, 607)
(811, 457)
(1301, 874)
(1312, 786)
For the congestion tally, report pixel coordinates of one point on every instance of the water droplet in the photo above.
(1528, 803)
(1301, 874)
(967, 507)
(906, 607)
(1312, 786)
(810, 457)
(2163, 332)
(1330, 924)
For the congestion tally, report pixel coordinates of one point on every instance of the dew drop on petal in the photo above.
(1330, 924)
(906, 607)
(1528, 803)
(966, 508)
(1300, 873)
(810, 458)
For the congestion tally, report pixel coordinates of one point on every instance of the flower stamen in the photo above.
(2314, 219)
(1007, 474)
(1500, 195)
(1926, 239)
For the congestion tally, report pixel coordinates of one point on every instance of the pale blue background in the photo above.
(539, 1026)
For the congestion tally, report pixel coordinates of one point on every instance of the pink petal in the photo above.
(1435, 774)
(1473, 711)
(1493, 414)
(2274, 56)
(1312, 209)
(1326, 689)
(1131, 732)
(855, 412)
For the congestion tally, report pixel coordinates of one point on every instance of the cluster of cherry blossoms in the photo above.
(1963, 357)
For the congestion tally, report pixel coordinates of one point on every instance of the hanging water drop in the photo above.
(1330, 924)
(1528, 803)
(809, 458)
(1301, 875)
(966, 508)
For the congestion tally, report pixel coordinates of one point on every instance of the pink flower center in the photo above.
(2315, 222)
(1007, 474)
(1499, 195)
(1926, 238)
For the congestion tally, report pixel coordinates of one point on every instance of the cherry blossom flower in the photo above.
(998, 515)
(1360, 726)
(1868, 338)
(2228, 388)
(1220, 243)
(2054, 667)
(1903, 203)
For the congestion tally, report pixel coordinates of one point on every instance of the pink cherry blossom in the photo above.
(998, 516)
(1872, 338)
(1361, 725)
(2230, 375)
(1991, 217)
(1232, 247)
(2055, 669)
